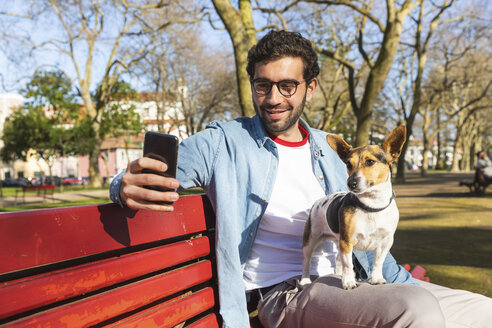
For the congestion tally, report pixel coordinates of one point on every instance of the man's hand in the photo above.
(136, 196)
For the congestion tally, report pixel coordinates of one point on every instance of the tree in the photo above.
(191, 84)
(373, 63)
(240, 26)
(422, 38)
(120, 117)
(39, 126)
(458, 89)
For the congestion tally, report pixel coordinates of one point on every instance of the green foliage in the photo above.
(119, 116)
(54, 92)
(84, 133)
(39, 124)
(25, 128)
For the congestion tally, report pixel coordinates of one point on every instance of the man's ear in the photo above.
(339, 146)
(311, 87)
(394, 142)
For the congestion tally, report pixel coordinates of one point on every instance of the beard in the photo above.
(280, 125)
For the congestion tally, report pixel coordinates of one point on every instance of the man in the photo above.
(484, 164)
(262, 175)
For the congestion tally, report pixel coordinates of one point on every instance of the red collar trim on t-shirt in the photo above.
(289, 143)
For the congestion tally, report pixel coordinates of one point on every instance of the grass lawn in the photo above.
(10, 191)
(54, 205)
(446, 230)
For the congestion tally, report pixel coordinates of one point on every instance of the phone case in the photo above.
(163, 147)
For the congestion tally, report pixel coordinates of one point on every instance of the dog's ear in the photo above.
(339, 145)
(394, 143)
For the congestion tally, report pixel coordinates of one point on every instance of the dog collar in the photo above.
(366, 208)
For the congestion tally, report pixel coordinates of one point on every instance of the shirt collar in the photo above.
(262, 137)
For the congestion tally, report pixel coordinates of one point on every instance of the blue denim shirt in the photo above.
(236, 164)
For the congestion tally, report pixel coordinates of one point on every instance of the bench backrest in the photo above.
(105, 265)
(40, 187)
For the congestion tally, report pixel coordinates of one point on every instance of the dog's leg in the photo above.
(379, 257)
(307, 251)
(338, 263)
(348, 274)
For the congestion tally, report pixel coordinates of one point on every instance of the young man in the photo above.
(262, 175)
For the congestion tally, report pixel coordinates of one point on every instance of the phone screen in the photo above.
(163, 147)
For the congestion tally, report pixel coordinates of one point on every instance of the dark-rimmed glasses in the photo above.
(287, 88)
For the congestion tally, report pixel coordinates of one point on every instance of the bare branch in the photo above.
(362, 51)
(351, 4)
(159, 4)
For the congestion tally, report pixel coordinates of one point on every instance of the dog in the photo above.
(365, 218)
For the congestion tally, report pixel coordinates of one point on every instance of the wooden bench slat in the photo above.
(54, 235)
(115, 302)
(17, 296)
(210, 321)
(173, 312)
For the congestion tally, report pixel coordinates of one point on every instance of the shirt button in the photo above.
(251, 234)
(321, 177)
(316, 154)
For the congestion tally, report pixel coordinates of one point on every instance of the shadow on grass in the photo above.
(444, 246)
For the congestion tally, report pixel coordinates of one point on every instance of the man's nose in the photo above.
(274, 97)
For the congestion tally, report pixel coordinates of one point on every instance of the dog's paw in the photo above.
(351, 285)
(377, 281)
(305, 281)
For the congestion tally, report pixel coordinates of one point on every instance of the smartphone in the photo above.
(163, 147)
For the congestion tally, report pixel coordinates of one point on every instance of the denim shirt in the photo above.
(236, 164)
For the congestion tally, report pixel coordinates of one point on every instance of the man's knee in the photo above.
(419, 308)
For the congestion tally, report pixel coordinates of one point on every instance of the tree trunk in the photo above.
(379, 72)
(455, 163)
(425, 157)
(94, 174)
(240, 26)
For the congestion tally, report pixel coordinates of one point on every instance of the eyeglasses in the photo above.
(287, 88)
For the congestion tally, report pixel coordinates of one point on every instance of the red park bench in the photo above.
(45, 190)
(107, 266)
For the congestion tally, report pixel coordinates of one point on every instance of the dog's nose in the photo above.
(352, 182)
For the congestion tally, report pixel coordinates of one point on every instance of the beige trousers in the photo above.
(324, 303)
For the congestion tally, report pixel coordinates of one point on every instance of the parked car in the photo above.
(56, 180)
(23, 182)
(10, 183)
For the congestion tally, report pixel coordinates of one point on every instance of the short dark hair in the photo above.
(279, 44)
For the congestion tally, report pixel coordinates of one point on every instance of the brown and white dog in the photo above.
(365, 218)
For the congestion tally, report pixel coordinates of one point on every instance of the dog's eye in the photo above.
(370, 162)
(349, 166)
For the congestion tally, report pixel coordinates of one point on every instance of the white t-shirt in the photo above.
(276, 254)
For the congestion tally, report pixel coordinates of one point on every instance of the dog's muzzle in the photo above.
(353, 182)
